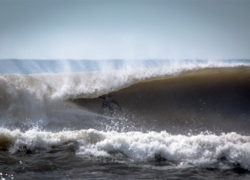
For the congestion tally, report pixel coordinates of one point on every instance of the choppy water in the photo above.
(151, 119)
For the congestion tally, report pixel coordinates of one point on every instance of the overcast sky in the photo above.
(125, 29)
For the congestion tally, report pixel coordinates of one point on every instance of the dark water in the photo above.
(66, 165)
(118, 119)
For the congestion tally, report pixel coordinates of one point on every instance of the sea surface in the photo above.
(125, 119)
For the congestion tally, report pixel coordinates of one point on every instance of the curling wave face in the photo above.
(196, 95)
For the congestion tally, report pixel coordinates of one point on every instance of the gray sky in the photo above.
(130, 29)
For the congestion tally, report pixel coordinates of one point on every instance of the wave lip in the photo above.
(204, 150)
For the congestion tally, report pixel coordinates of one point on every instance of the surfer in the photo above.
(109, 102)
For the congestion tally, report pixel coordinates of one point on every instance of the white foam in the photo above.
(202, 149)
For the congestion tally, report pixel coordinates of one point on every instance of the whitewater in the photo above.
(72, 119)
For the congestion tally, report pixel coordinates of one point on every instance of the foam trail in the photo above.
(199, 150)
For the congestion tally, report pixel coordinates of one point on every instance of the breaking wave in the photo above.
(186, 113)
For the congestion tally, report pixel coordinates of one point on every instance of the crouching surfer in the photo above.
(109, 103)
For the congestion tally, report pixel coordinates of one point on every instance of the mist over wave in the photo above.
(22, 66)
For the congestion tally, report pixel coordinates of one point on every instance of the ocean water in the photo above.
(110, 119)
